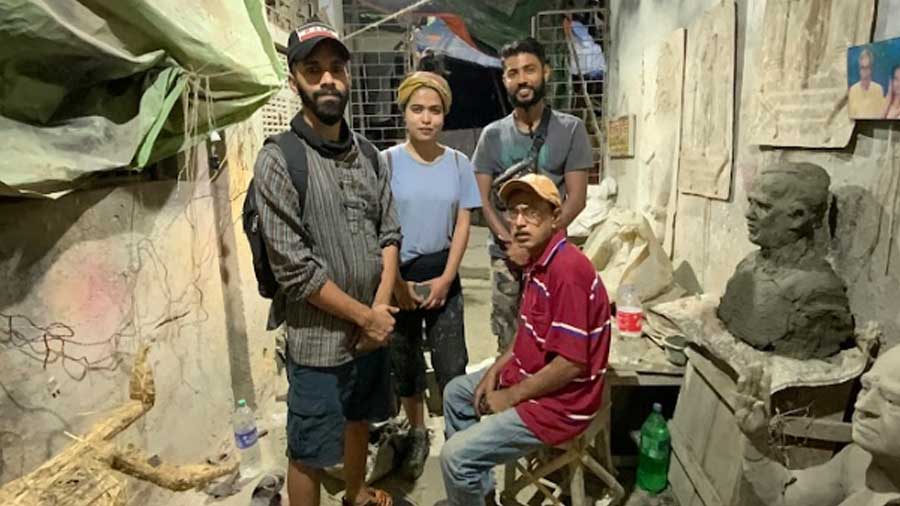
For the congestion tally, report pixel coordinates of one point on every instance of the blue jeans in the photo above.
(474, 446)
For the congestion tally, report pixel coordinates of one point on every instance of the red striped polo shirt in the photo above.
(565, 312)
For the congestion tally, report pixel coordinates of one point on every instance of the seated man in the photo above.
(546, 388)
(865, 473)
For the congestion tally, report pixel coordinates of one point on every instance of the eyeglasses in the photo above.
(531, 215)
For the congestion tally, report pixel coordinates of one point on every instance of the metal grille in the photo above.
(281, 108)
(288, 14)
(380, 60)
(568, 91)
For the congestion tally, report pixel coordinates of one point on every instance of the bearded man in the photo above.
(332, 245)
(565, 158)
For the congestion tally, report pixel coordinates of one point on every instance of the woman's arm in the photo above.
(441, 284)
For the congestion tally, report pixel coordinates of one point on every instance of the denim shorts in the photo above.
(322, 399)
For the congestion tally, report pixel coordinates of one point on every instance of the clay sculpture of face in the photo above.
(876, 422)
(786, 297)
(786, 203)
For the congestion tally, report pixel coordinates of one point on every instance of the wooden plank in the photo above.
(721, 383)
(820, 402)
(696, 402)
(721, 460)
(698, 478)
(823, 430)
(708, 430)
(682, 488)
(635, 378)
(684, 401)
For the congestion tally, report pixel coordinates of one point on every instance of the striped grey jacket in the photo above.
(349, 217)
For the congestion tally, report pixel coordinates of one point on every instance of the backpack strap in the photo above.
(539, 137)
(368, 150)
(294, 151)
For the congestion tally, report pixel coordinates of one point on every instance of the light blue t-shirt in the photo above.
(427, 196)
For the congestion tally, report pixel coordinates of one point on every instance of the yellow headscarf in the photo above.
(419, 79)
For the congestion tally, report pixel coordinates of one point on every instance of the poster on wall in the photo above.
(873, 80)
(799, 78)
(707, 139)
(659, 143)
(620, 135)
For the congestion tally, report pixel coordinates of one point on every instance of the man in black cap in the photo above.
(334, 253)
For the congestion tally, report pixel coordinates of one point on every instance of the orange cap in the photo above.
(536, 183)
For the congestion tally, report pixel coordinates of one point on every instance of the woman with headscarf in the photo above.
(892, 103)
(434, 189)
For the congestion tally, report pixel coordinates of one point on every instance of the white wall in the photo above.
(118, 268)
(100, 272)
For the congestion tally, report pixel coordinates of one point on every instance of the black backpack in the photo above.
(294, 151)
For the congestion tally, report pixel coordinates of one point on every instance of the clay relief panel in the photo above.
(801, 73)
(707, 122)
(660, 134)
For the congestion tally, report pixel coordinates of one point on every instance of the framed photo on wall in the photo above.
(873, 80)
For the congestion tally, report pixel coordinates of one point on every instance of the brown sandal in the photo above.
(379, 498)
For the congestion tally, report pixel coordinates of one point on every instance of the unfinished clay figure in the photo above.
(864, 473)
(785, 297)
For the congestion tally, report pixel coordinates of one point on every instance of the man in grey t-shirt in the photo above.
(565, 158)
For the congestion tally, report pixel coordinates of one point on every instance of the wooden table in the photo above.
(640, 362)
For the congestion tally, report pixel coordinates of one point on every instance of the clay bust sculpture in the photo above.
(865, 473)
(785, 297)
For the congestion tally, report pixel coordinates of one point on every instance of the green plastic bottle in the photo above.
(653, 463)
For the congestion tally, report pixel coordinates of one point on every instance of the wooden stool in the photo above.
(577, 454)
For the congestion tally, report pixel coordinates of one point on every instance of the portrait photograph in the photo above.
(873, 80)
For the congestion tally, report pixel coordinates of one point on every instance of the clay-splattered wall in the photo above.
(710, 236)
(88, 277)
(243, 143)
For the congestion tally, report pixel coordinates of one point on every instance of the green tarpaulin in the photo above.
(494, 23)
(93, 85)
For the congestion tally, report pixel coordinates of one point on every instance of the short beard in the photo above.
(537, 94)
(329, 114)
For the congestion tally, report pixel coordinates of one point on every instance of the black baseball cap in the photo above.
(303, 40)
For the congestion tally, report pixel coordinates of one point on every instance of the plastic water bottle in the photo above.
(246, 440)
(653, 462)
(629, 314)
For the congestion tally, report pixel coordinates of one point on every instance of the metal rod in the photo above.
(574, 11)
(587, 97)
(381, 21)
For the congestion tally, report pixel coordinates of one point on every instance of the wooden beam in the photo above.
(721, 383)
(693, 470)
(818, 429)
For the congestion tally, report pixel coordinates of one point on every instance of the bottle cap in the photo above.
(657, 407)
(242, 403)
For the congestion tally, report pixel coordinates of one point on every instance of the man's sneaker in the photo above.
(419, 446)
